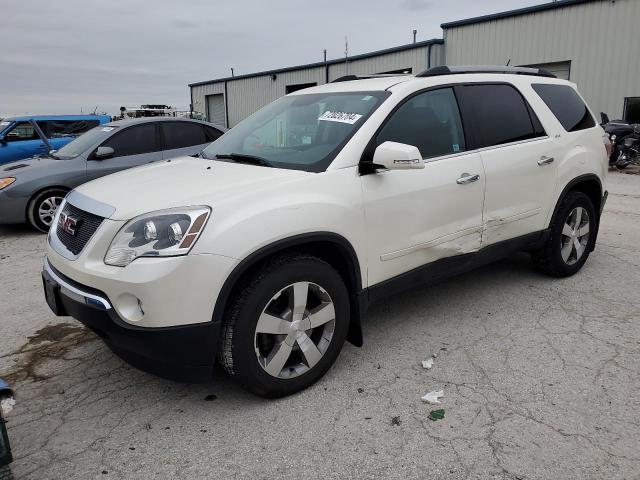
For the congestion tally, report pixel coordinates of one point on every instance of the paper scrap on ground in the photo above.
(432, 397)
(6, 405)
(427, 364)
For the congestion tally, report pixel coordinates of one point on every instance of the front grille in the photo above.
(87, 224)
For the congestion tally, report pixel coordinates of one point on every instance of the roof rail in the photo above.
(446, 70)
(348, 78)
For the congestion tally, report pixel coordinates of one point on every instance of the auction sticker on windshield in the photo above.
(342, 117)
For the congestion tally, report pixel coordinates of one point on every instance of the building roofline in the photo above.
(514, 13)
(433, 41)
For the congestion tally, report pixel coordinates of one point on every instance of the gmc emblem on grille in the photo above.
(68, 223)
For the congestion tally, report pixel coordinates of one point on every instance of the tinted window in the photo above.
(499, 114)
(182, 134)
(66, 128)
(134, 141)
(22, 131)
(429, 121)
(566, 105)
(211, 133)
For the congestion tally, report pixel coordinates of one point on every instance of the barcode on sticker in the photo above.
(342, 117)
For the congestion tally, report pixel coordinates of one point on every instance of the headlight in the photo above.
(5, 182)
(165, 233)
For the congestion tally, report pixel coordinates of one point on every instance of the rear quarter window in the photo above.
(567, 106)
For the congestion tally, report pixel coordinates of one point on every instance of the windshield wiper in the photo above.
(243, 158)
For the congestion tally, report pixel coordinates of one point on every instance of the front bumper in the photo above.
(183, 353)
(12, 209)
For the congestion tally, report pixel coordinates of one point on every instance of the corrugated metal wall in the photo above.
(247, 95)
(597, 37)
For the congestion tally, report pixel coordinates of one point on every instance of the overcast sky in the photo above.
(64, 56)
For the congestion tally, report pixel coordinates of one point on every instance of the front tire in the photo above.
(573, 235)
(286, 325)
(42, 208)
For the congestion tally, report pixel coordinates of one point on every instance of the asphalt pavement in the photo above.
(541, 380)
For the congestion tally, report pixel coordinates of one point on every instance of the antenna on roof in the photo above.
(415, 32)
(346, 54)
(508, 62)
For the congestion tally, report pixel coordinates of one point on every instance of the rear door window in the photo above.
(182, 135)
(211, 133)
(498, 114)
(134, 141)
(565, 103)
(430, 121)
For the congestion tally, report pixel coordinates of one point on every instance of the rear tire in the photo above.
(286, 325)
(573, 234)
(42, 208)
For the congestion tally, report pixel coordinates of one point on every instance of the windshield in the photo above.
(84, 142)
(302, 132)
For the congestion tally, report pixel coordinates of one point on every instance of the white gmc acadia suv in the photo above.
(264, 252)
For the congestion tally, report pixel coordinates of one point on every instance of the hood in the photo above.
(182, 182)
(15, 168)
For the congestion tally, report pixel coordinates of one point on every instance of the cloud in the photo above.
(76, 53)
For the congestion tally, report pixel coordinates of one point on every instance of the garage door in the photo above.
(559, 69)
(215, 109)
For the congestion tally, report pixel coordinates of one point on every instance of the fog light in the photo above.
(130, 307)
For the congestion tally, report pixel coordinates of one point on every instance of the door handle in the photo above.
(544, 160)
(467, 178)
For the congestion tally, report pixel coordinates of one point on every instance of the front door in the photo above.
(132, 146)
(415, 217)
(22, 141)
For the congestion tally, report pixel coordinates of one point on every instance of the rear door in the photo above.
(415, 217)
(132, 146)
(185, 138)
(518, 159)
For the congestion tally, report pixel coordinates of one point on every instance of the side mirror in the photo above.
(3, 140)
(398, 156)
(104, 152)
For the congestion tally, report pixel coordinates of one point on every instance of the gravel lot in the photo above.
(541, 380)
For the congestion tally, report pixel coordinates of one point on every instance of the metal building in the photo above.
(226, 101)
(589, 42)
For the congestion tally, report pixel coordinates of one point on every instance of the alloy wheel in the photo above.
(47, 209)
(294, 330)
(575, 236)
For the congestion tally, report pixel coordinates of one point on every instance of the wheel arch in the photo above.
(330, 247)
(589, 184)
(35, 194)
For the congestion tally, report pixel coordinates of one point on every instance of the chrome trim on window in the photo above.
(76, 293)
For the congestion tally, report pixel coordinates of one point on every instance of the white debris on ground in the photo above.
(6, 405)
(433, 397)
(427, 364)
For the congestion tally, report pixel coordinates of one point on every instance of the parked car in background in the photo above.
(32, 190)
(319, 204)
(24, 137)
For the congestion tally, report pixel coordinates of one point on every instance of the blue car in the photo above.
(24, 137)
